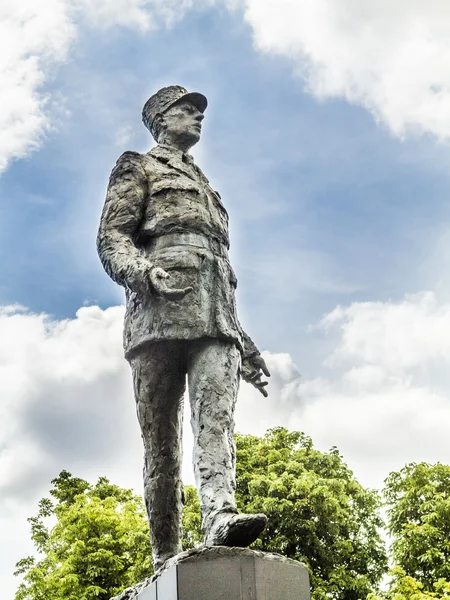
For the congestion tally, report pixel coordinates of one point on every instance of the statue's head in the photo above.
(174, 116)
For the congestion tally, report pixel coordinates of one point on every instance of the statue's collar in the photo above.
(180, 161)
(171, 151)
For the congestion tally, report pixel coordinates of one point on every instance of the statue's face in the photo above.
(184, 123)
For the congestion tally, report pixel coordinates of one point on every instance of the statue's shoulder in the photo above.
(139, 165)
(128, 163)
(129, 158)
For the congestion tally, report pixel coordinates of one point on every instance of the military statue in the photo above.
(164, 237)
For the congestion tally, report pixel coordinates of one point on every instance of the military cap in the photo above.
(167, 97)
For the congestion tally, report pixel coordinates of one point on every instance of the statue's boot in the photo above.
(228, 529)
(160, 561)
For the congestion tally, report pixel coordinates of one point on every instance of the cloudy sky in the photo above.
(327, 135)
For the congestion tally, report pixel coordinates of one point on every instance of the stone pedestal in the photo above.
(222, 573)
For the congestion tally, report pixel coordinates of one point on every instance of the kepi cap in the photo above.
(167, 97)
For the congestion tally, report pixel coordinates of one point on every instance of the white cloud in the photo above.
(60, 383)
(383, 398)
(395, 336)
(35, 39)
(108, 13)
(393, 58)
(34, 36)
(67, 398)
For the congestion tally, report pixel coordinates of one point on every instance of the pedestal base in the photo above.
(222, 573)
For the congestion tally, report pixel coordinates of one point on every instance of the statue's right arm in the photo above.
(121, 217)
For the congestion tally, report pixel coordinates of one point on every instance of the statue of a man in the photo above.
(164, 237)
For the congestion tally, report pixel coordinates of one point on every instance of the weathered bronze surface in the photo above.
(164, 237)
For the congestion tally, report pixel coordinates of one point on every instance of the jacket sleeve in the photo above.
(250, 348)
(121, 217)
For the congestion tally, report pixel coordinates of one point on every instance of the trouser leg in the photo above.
(159, 378)
(213, 378)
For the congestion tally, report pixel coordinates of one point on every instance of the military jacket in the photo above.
(161, 211)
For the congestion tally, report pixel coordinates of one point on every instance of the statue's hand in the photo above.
(159, 279)
(251, 372)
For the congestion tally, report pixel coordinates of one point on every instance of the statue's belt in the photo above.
(189, 239)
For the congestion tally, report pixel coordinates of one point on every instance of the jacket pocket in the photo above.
(174, 258)
(183, 268)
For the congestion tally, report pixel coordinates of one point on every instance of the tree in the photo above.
(98, 546)
(418, 500)
(318, 513)
(404, 587)
(192, 521)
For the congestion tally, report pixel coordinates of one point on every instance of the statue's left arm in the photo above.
(254, 366)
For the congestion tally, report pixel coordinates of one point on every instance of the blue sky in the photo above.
(327, 137)
(318, 191)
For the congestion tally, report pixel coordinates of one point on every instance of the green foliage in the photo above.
(418, 499)
(192, 522)
(404, 587)
(98, 545)
(318, 513)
